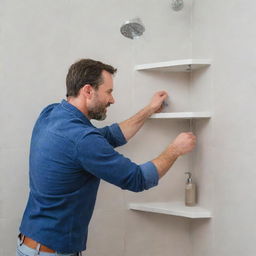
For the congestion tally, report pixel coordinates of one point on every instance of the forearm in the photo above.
(132, 125)
(165, 160)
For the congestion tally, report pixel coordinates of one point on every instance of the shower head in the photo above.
(177, 5)
(132, 28)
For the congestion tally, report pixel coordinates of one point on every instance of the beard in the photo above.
(98, 111)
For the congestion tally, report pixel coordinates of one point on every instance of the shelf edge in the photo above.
(182, 115)
(174, 63)
(205, 214)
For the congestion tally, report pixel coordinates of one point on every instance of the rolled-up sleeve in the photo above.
(99, 158)
(113, 134)
(150, 174)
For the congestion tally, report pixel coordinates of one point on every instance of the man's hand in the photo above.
(184, 143)
(156, 102)
(130, 126)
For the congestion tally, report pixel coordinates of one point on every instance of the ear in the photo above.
(87, 91)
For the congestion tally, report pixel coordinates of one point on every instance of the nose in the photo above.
(112, 100)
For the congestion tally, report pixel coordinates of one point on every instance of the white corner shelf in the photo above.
(172, 208)
(185, 65)
(182, 115)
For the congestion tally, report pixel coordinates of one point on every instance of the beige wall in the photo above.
(39, 40)
(224, 165)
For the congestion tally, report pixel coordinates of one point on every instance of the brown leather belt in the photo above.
(33, 244)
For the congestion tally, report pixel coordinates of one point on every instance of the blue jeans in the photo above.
(23, 250)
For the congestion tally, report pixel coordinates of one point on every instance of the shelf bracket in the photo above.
(189, 68)
(191, 125)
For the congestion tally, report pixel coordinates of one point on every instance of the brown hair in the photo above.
(85, 71)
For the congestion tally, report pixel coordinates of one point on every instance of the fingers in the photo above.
(157, 101)
(192, 140)
(185, 142)
(162, 94)
(191, 137)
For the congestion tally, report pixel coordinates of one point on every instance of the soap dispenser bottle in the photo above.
(190, 191)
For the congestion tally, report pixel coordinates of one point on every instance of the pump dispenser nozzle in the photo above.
(189, 178)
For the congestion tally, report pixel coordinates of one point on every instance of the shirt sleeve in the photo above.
(99, 158)
(113, 134)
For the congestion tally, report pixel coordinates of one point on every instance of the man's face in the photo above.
(102, 98)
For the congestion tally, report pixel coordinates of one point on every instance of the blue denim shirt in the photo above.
(68, 157)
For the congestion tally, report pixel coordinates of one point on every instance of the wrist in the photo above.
(150, 110)
(174, 150)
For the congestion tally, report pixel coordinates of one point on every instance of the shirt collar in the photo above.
(71, 108)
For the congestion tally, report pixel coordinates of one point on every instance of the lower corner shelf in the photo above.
(172, 208)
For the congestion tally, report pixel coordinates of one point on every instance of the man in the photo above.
(69, 156)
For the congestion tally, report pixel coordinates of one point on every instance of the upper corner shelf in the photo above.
(172, 208)
(185, 65)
